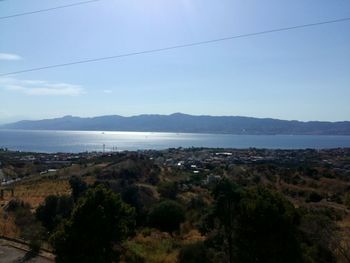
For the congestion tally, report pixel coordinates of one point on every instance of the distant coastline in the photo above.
(184, 123)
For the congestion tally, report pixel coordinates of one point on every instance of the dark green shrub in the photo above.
(167, 216)
(98, 225)
(194, 253)
(168, 190)
(314, 197)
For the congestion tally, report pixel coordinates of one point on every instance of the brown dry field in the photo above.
(33, 191)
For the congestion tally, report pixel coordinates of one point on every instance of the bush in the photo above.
(167, 216)
(141, 198)
(347, 200)
(314, 197)
(318, 233)
(131, 257)
(30, 229)
(78, 187)
(99, 223)
(266, 228)
(168, 190)
(194, 253)
(255, 225)
(54, 209)
(15, 204)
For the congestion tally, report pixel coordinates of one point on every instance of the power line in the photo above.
(178, 46)
(48, 9)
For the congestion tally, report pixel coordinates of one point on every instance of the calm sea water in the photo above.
(79, 141)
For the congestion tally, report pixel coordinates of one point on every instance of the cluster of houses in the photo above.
(203, 161)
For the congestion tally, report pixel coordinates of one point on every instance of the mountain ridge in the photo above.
(185, 123)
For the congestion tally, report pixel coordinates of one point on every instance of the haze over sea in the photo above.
(80, 141)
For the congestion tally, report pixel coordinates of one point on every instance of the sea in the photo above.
(83, 141)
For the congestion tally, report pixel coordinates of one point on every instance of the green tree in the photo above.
(78, 187)
(167, 216)
(141, 198)
(194, 253)
(255, 225)
(314, 197)
(318, 234)
(99, 223)
(266, 228)
(219, 223)
(168, 189)
(53, 210)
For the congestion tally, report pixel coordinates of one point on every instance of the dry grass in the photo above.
(7, 225)
(159, 247)
(156, 248)
(345, 223)
(35, 192)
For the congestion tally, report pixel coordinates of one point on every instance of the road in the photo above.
(10, 254)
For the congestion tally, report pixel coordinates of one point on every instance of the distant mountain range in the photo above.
(183, 123)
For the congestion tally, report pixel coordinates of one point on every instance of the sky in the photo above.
(295, 75)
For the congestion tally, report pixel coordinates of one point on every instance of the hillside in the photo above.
(312, 185)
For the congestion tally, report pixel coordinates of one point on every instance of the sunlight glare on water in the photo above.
(80, 141)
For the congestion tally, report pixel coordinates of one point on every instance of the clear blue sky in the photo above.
(301, 74)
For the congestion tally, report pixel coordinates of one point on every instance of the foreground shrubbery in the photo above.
(239, 222)
(255, 225)
(167, 216)
(99, 222)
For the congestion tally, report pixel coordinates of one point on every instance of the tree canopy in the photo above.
(254, 225)
(78, 187)
(167, 216)
(266, 228)
(99, 223)
(53, 210)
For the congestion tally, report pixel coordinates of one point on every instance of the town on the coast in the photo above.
(178, 204)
